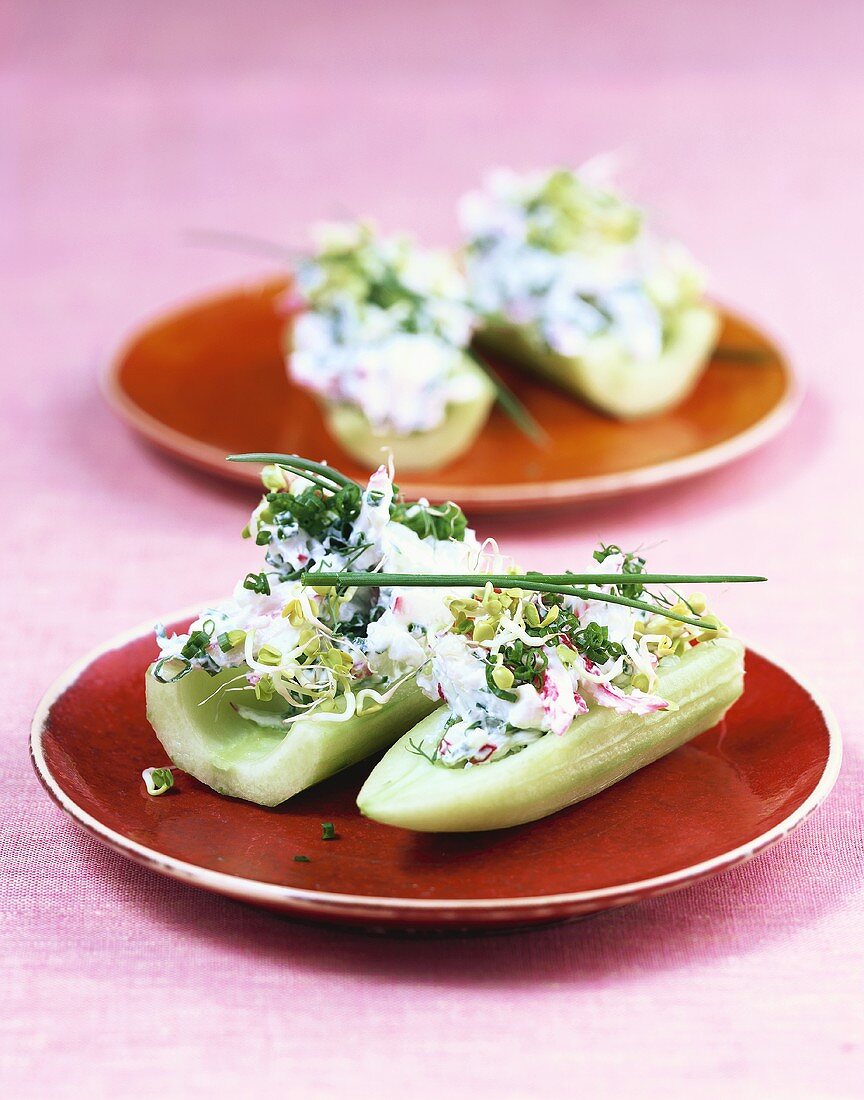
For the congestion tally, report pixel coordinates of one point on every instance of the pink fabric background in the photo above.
(124, 124)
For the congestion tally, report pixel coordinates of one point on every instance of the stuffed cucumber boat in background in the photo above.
(380, 331)
(283, 685)
(568, 283)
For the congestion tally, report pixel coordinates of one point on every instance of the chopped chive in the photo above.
(302, 859)
(229, 639)
(257, 582)
(328, 830)
(158, 780)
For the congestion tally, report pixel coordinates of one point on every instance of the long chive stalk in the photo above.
(242, 242)
(298, 465)
(367, 579)
(536, 582)
(510, 404)
(742, 354)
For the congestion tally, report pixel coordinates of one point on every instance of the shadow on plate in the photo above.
(740, 910)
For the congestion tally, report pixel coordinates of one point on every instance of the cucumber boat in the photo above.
(424, 449)
(601, 747)
(605, 376)
(570, 285)
(379, 330)
(250, 753)
(283, 684)
(551, 696)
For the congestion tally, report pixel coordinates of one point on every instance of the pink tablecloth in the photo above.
(124, 124)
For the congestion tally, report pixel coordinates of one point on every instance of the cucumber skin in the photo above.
(600, 749)
(236, 757)
(605, 378)
(425, 450)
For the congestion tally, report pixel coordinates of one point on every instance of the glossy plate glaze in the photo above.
(209, 380)
(708, 806)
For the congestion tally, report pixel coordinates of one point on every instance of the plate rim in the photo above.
(501, 497)
(369, 905)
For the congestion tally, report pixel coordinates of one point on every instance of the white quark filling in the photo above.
(256, 614)
(570, 299)
(402, 382)
(616, 289)
(400, 638)
(485, 727)
(395, 645)
(402, 365)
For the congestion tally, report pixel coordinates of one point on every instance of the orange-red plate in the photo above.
(209, 380)
(708, 806)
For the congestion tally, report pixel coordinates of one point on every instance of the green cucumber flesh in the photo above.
(599, 749)
(236, 756)
(424, 450)
(605, 376)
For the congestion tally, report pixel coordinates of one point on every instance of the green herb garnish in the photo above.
(316, 513)
(159, 675)
(742, 354)
(328, 830)
(592, 642)
(198, 641)
(158, 780)
(295, 464)
(257, 582)
(521, 664)
(242, 242)
(632, 565)
(302, 859)
(230, 639)
(446, 521)
(331, 505)
(417, 749)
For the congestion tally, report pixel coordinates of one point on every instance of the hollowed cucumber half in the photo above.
(605, 376)
(424, 450)
(207, 738)
(599, 749)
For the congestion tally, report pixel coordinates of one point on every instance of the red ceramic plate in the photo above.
(209, 380)
(710, 805)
